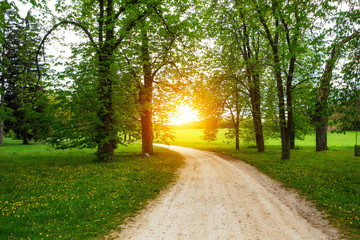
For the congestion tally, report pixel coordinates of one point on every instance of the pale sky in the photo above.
(53, 47)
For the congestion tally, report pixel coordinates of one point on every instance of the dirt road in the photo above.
(223, 199)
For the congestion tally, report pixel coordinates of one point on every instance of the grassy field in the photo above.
(330, 178)
(48, 194)
(335, 140)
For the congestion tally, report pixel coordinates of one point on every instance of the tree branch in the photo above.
(302, 81)
(123, 9)
(65, 22)
(129, 27)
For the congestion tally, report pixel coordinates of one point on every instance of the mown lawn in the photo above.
(330, 178)
(48, 194)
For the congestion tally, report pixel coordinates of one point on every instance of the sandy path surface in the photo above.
(215, 198)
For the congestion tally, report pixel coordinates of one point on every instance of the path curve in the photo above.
(218, 198)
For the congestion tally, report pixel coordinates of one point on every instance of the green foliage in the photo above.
(246, 132)
(65, 194)
(75, 104)
(347, 101)
(24, 94)
(5, 6)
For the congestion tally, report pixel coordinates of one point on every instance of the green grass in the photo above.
(330, 178)
(48, 194)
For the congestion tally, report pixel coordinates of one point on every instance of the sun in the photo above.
(184, 114)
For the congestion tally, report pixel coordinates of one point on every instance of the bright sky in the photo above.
(60, 49)
(184, 114)
(23, 9)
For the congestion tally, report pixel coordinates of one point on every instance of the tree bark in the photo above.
(292, 137)
(256, 114)
(106, 136)
(145, 98)
(285, 138)
(285, 124)
(147, 133)
(237, 140)
(321, 107)
(254, 89)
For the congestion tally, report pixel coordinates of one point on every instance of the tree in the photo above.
(283, 25)
(236, 105)
(111, 21)
(321, 111)
(22, 93)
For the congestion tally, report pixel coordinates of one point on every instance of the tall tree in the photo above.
(22, 92)
(111, 21)
(4, 7)
(235, 33)
(283, 25)
(161, 37)
(347, 103)
(321, 108)
(146, 95)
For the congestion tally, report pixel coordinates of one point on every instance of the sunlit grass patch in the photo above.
(65, 194)
(330, 178)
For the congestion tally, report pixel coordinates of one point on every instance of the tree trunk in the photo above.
(146, 98)
(147, 133)
(25, 139)
(237, 140)
(289, 104)
(254, 90)
(292, 137)
(285, 138)
(256, 114)
(284, 123)
(107, 136)
(321, 135)
(321, 111)
(259, 136)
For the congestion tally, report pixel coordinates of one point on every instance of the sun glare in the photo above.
(184, 114)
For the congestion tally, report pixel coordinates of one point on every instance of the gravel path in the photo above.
(218, 198)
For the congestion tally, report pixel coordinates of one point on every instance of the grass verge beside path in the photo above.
(330, 178)
(48, 194)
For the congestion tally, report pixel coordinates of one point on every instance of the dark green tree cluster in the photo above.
(23, 99)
